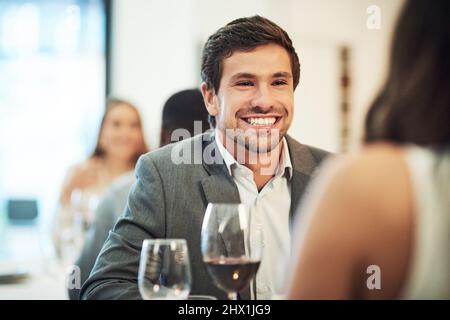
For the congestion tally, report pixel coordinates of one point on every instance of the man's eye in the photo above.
(279, 82)
(245, 83)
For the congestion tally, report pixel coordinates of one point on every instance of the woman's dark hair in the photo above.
(244, 34)
(414, 103)
(111, 103)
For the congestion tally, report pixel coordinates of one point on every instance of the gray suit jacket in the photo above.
(169, 201)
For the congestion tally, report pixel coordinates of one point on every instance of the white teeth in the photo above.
(261, 121)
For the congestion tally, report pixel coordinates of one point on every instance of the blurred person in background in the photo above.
(377, 223)
(180, 111)
(119, 144)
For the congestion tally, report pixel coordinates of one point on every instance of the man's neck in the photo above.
(263, 165)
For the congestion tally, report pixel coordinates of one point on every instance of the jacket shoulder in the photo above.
(163, 156)
(297, 147)
(318, 154)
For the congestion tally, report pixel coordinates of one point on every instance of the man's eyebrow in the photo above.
(242, 75)
(246, 75)
(282, 74)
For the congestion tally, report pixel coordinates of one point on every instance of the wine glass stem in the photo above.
(232, 296)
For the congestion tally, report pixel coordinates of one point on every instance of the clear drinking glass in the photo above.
(164, 269)
(231, 246)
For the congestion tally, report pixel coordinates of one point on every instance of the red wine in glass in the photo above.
(232, 274)
(231, 246)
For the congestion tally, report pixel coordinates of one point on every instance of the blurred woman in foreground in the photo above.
(377, 224)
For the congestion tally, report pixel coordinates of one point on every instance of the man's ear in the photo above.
(210, 99)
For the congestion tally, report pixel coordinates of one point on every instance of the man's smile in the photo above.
(261, 121)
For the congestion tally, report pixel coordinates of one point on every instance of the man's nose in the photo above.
(263, 98)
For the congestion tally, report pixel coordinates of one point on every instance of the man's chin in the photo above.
(261, 141)
(261, 145)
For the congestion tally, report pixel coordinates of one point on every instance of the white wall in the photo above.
(156, 48)
(152, 55)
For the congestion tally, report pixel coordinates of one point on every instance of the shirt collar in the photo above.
(230, 161)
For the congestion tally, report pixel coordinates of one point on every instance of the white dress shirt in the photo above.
(270, 209)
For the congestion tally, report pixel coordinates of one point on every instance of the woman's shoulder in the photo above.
(375, 154)
(369, 165)
(375, 177)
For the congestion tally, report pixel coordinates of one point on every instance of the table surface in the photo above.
(23, 248)
(37, 286)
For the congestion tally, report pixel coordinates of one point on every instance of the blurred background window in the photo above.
(53, 80)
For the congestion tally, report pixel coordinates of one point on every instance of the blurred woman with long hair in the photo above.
(120, 142)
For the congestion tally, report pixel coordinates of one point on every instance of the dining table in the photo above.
(28, 269)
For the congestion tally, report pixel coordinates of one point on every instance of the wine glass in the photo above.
(231, 246)
(164, 270)
(75, 223)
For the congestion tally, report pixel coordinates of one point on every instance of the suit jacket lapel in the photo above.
(303, 164)
(219, 186)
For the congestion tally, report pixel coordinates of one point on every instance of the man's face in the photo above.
(255, 98)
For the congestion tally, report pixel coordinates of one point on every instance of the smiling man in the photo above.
(253, 105)
(250, 71)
